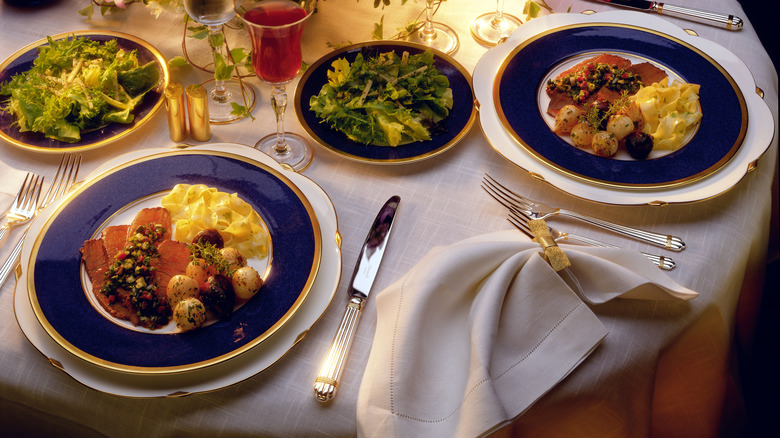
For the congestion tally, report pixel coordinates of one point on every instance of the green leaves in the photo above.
(75, 85)
(385, 100)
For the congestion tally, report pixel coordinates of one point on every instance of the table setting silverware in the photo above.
(538, 210)
(520, 221)
(727, 21)
(64, 179)
(363, 277)
(24, 206)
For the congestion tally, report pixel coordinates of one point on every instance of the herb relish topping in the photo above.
(582, 83)
(132, 272)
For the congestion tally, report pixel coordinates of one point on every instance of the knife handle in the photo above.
(730, 22)
(327, 380)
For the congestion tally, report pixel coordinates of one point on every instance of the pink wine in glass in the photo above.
(277, 52)
(275, 27)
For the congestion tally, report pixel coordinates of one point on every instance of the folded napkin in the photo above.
(10, 181)
(478, 331)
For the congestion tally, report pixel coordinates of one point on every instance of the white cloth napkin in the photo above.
(10, 182)
(478, 331)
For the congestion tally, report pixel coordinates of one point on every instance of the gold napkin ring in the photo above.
(552, 252)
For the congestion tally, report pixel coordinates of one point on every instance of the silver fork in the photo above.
(538, 210)
(64, 179)
(25, 204)
(520, 221)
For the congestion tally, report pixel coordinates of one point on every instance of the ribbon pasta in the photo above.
(669, 110)
(195, 208)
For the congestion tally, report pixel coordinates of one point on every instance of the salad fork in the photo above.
(520, 221)
(25, 204)
(63, 181)
(538, 210)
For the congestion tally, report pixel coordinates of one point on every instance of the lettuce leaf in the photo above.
(75, 85)
(384, 100)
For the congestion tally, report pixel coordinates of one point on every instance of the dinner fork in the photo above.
(520, 221)
(25, 204)
(538, 210)
(64, 179)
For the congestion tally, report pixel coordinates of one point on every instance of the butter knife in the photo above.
(727, 21)
(326, 383)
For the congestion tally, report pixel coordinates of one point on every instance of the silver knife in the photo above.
(730, 22)
(360, 285)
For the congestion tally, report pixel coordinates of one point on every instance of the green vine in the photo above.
(239, 62)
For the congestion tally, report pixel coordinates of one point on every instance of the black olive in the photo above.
(218, 296)
(639, 144)
(210, 236)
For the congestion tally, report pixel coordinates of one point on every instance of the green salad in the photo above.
(76, 85)
(385, 100)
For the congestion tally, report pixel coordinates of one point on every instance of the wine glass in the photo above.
(490, 28)
(222, 93)
(436, 35)
(275, 27)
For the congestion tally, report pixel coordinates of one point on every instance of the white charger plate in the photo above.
(218, 375)
(756, 140)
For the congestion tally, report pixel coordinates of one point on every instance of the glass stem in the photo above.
(428, 33)
(217, 41)
(279, 104)
(499, 17)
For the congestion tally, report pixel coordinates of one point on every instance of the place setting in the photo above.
(166, 361)
(709, 159)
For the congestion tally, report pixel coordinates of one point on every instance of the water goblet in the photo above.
(436, 35)
(491, 27)
(222, 92)
(275, 28)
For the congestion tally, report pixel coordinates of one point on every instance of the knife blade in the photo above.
(728, 21)
(371, 254)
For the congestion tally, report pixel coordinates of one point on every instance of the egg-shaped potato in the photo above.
(246, 282)
(604, 144)
(200, 270)
(567, 117)
(189, 314)
(620, 126)
(181, 287)
(233, 257)
(582, 134)
(634, 113)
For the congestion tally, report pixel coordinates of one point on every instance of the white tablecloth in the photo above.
(661, 371)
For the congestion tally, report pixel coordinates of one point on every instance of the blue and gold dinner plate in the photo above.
(524, 72)
(60, 299)
(22, 61)
(449, 131)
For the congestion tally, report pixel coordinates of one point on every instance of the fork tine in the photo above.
(496, 195)
(64, 178)
(517, 199)
(53, 187)
(520, 225)
(32, 195)
(20, 196)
